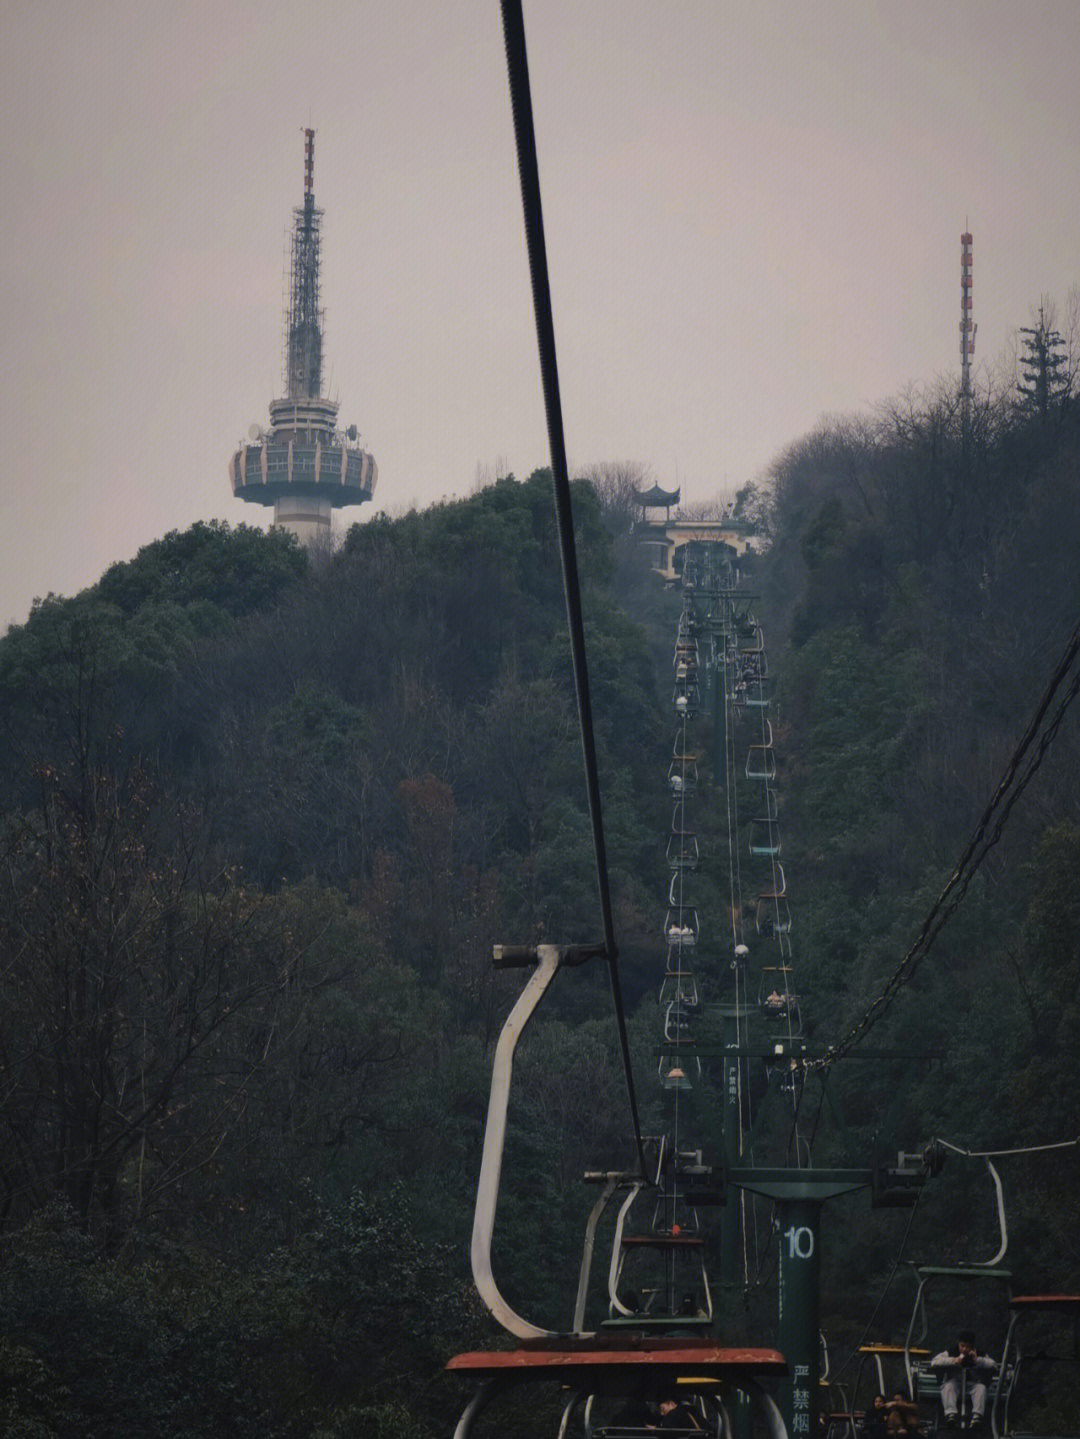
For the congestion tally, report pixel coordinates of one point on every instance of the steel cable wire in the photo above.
(888, 1283)
(960, 880)
(529, 174)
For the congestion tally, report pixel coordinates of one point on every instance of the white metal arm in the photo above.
(487, 1192)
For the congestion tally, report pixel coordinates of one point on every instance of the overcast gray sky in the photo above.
(753, 213)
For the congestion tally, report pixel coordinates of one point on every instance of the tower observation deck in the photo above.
(304, 465)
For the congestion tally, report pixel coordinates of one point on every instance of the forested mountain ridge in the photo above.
(923, 588)
(262, 823)
(263, 819)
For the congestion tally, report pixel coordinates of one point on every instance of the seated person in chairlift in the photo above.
(676, 1415)
(891, 1416)
(776, 1003)
(963, 1372)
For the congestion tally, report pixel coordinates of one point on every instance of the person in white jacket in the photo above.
(966, 1370)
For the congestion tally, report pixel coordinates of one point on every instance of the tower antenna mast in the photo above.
(967, 337)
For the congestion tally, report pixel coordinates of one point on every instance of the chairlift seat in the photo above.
(891, 1349)
(757, 695)
(779, 1008)
(681, 934)
(764, 836)
(675, 1078)
(928, 1385)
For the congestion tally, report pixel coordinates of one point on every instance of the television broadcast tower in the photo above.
(303, 465)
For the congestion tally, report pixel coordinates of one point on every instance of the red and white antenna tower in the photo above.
(967, 329)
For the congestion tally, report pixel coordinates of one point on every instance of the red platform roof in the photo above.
(606, 1364)
(1061, 1303)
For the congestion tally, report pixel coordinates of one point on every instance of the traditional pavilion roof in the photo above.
(652, 499)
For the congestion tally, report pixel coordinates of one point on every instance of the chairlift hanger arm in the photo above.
(610, 1183)
(548, 959)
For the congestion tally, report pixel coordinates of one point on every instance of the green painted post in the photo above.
(800, 1317)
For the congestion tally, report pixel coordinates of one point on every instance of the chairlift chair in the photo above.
(649, 1366)
(585, 1363)
(681, 927)
(682, 850)
(1022, 1307)
(874, 1360)
(679, 987)
(683, 775)
(761, 758)
(765, 835)
(752, 666)
(776, 999)
(772, 916)
(671, 1263)
(761, 762)
(924, 1382)
(686, 699)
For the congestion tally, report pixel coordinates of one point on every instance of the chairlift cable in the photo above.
(529, 175)
(888, 1282)
(1004, 798)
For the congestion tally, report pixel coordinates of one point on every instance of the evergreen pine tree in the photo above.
(1045, 381)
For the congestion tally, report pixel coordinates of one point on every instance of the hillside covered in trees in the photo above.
(263, 818)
